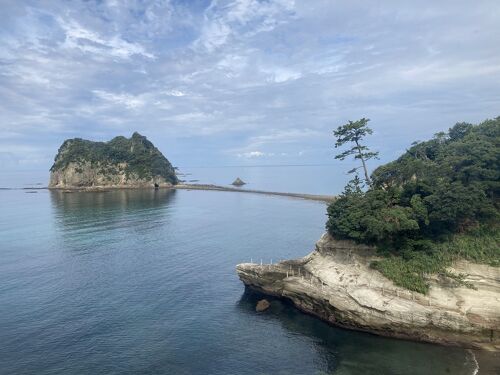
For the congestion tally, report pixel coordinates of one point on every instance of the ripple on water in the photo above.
(144, 282)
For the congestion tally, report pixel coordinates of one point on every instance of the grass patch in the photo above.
(411, 270)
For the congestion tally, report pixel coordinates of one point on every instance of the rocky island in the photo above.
(412, 252)
(120, 163)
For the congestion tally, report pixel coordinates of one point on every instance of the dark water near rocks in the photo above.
(144, 282)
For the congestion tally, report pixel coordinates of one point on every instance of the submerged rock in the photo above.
(336, 283)
(238, 182)
(262, 305)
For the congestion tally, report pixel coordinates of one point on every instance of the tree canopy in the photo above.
(438, 188)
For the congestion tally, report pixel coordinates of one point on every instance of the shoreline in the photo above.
(336, 284)
(206, 187)
(209, 187)
(315, 197)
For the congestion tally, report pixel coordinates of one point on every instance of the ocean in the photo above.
(144, 282)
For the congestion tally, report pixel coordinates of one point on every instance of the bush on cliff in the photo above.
(441, 193)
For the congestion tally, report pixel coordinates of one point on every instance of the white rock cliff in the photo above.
(336, 283)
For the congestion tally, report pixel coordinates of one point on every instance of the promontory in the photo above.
(412, 252)
(120, 163)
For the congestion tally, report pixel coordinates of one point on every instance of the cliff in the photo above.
(336, 283)
(121, 162)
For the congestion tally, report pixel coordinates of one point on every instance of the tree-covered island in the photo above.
(121, 162)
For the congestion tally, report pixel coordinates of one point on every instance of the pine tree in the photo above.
(354, 132)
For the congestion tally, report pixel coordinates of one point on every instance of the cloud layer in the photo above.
(246, 81)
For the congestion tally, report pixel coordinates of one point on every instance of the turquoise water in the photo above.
(144, 282)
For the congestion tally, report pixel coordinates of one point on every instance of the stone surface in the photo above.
(262, 305)
(84, 176)
(238, 182)
(336, 283)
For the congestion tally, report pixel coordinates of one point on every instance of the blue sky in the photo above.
(241, 82)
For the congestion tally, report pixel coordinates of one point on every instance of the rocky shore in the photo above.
(335, 283)
(84, 176)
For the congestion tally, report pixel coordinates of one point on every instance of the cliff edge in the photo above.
(336, 283)
(121, 162)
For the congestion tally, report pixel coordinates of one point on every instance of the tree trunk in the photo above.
(364, 164)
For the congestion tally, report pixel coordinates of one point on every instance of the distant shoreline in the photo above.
(315, 197)
(210, 187)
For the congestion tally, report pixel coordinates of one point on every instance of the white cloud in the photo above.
(177, 93)
(244, 78)
(127, 100)
(252, 154)
(224, 20)
(87, 41)
(284, 136)
(280, 75)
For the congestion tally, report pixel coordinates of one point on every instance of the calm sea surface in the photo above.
(144, 282)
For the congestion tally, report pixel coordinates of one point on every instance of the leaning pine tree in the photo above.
(353, 133)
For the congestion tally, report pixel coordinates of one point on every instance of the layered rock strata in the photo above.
(336, 283)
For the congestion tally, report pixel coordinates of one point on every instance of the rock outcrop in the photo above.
(262, 305)
(121, 162)
(238, 182)
(335, 283)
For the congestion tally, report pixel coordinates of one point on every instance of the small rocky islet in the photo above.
(238, 182)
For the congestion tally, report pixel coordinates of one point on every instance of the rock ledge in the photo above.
(336, 284)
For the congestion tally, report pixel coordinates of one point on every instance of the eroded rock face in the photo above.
(336, 283)
(85, 175)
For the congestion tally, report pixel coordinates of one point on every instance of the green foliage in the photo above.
(443, 187)
(354, 132)
(142, 159)
(411, 269)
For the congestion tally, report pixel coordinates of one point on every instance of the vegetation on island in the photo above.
(141, 158)
(435, 204)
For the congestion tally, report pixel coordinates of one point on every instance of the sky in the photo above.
(246, 82)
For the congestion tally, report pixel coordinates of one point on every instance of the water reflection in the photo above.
(88, 217)
(349, 352)
(111, 199)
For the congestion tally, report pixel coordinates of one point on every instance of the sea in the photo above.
(144, 282)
